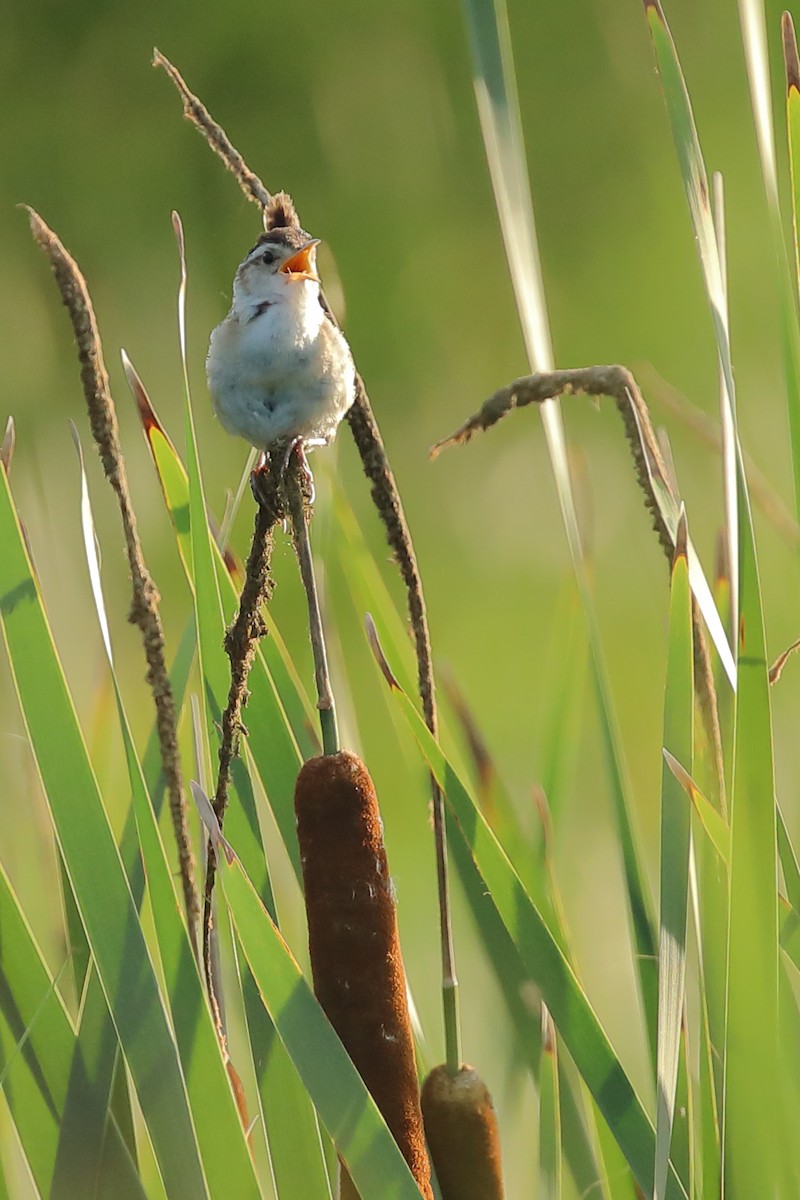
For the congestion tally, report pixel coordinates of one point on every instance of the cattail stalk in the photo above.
(354, 944)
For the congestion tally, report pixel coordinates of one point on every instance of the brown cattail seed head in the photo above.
(462, 1133)
(354, 944)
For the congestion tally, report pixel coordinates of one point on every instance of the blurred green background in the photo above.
(365, 113)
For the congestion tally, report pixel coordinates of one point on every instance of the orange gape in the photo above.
(354, 944)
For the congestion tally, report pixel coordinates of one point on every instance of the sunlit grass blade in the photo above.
(695, 178)
(94, 865)
(83, 1120)
(498, 107)
(228, 1165)
(345, 1107)
(754, 1141)
(37, 1050)
(715, 826)
(792, 68)
(549, 1116)
(574, 1018)
(698, 195)
(674, 859)
(754, 39)
(290, 1122)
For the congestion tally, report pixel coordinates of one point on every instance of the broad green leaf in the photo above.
(549, 1116)
(95, 867)
(228, 1166)
(674, 861)
(37, 1050)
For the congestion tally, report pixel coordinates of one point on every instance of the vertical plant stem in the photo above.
(302, 545)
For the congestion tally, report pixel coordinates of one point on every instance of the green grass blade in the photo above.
(695, 178)
(290, 1122)
(751, 13)
(37, 1051)
(713, 824)
(675, 841)
(279, 723)
(753, 1145)
(698, 195)
(228, 1165)
(549, 1116)
(498, 107)
(574, 1018)
(345, 1107)
(792, 67)
(86, 1105)
(94, 865)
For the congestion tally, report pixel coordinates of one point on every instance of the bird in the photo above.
(279, 370)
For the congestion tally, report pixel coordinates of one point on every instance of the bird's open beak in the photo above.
(299, 265)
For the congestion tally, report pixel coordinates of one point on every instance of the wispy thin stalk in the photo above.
(144, 610)
(299, 512)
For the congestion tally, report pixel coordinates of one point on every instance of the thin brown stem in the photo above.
(299, 513)
(144, 606)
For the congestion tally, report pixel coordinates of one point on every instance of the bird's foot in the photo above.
(299, 445)
(262, 484)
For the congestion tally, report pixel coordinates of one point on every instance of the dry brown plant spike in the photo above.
(144, 606)
(618, 383)
(354, 944)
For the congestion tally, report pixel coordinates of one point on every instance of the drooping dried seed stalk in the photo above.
(618, 383)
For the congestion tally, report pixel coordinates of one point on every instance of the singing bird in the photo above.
(279, 370)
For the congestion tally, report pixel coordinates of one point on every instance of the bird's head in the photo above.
(281, 261)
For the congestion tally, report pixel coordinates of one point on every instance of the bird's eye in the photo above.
(268, 258)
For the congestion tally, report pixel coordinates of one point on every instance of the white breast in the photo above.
(285, 372)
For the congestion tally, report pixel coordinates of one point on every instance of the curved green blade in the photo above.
(344, 1105)
(754, 1142)
(94, 866)
(228, 1165)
